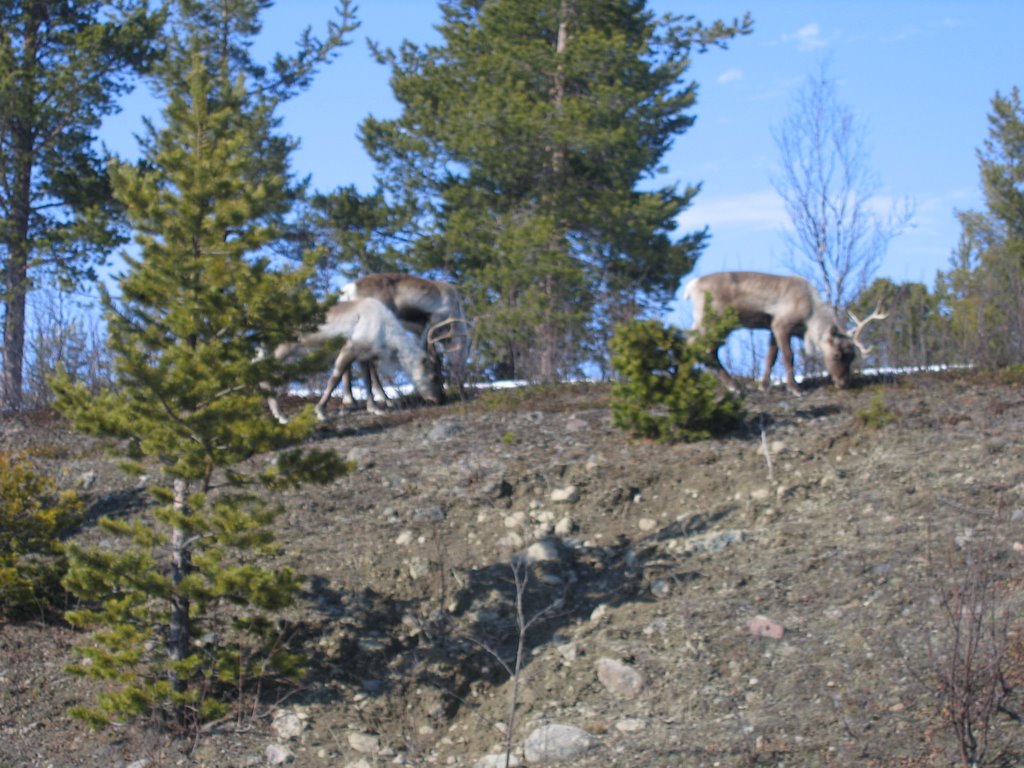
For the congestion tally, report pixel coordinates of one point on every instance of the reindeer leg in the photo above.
(375, 388)
(341, 364)
(773, 354)
(348, 401)
(723, 375)
(276, 410)
(785, 343)
(373, 384)
(272, 404)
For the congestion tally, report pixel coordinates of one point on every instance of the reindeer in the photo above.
(788, 307)
(370, 334)
(431, 309)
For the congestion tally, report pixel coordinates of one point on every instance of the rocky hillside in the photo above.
(774, 597)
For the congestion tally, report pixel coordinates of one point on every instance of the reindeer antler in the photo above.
(861, 324)
(445, 330)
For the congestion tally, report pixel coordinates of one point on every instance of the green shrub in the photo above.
(877, 414)
(33, 518)
(665, 392)
(1011, 374)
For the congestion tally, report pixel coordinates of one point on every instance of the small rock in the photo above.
(371, 644)
(515, 520)
(366, 743)
(556, 742)
(568, 651)
(405, 538)
(568, 495)
(661, 588)
(497, 760)
(543, 515)
(646, 524)
(619, 678)
(762, 626)
(760, 494)
(716, 541)
(432, 513)
(418, 568)
(543, 551)
(287, 725)
(511, 540)
(361, 456)
(443, 430)
(599, 613)
(630, 725)
(278, 755)
(565, 527)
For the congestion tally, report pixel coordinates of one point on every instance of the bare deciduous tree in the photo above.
(839, 236)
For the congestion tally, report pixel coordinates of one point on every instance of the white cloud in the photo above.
(807, 38)
(761, 211)
(730, 76)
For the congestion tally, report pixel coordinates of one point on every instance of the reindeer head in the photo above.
(842, 348)
(428, 379)
(839, 351)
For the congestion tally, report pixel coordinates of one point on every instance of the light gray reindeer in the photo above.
(788, 307)
(369, 334)
(431, 309)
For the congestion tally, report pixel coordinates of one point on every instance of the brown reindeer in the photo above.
(431, 309)
(788, 307)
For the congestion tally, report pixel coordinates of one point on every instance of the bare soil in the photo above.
(817, 521)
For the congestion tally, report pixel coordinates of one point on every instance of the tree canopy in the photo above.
(984, 287)
(62, 68)
(526, 156)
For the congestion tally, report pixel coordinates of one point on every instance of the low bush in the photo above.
(34, 517)
(665, 391)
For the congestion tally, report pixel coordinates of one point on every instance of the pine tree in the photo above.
(62, 68)
(522, 145)
(184, 609)
(984, 289)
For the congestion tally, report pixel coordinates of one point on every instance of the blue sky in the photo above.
(920, 75)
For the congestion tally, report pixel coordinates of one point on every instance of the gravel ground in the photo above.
(773, 597)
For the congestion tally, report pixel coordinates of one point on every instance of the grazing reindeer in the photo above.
(431, 309)
(370, 334)
(788, 307)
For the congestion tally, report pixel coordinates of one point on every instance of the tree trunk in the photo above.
(178, 638)
(548, 336)
(16, 284)
(18, 244)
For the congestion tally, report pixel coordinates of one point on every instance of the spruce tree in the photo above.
(983, 291)
(525, 147)
(183, 608)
